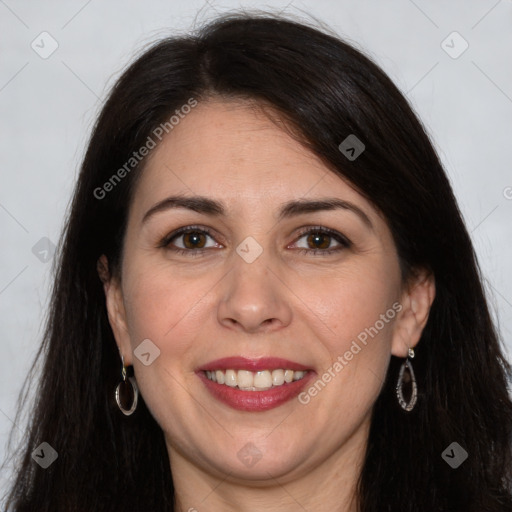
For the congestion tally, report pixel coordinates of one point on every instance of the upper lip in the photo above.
(255, 365)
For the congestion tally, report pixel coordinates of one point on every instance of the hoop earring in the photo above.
(407, 377)
(123, 389)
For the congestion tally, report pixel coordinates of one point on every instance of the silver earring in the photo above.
(127, 387)
(407, 377)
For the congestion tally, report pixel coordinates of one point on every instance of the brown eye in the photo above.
(319, 240)
(189, 239)
(194, 240)
(322, 241)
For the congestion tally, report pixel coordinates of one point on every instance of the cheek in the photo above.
(160, 304)
(166, 309)
(350, 304)
(353, 315)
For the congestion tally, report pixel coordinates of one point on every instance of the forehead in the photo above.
(232, 150)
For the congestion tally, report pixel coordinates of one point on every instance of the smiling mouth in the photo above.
(263, 380)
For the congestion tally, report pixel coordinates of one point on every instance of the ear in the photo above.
(115, 309)
(416, 300)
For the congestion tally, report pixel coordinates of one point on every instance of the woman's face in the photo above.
(264, 269)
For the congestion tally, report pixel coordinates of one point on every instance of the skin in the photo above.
(304, 307)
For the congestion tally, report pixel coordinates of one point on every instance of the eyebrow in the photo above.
(207, 206)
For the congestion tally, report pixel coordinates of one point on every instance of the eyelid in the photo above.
(343, 241)
(166, 240)
(322, 229)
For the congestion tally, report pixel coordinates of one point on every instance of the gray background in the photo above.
(47, 107)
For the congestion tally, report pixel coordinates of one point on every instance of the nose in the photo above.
(254, 297)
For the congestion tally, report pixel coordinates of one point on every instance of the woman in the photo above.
(266, 297)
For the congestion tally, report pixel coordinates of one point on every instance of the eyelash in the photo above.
(342, 240)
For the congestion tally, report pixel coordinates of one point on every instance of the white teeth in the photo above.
(255, 381)
(244, 379)
(278, 377)
(230, 378)
(263, 380)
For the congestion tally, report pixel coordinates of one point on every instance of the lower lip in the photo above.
(256, 400)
